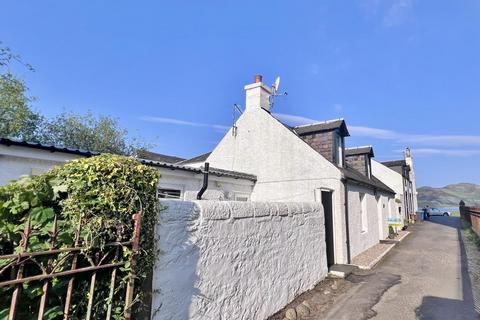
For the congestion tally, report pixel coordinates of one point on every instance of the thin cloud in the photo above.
(183, 123)
(293, 119)
(338, 107)
(391, 12)
(399, 137)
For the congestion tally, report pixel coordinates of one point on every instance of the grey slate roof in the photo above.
(213, 171)
(144, 154)
(200, 158)
(359, 150)
(323, 126)
(398, 166)
(352, 174)
(47, 147)
(394, 163)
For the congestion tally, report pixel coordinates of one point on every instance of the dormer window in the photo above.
(327, 138)
(360, 159)
(338, 149)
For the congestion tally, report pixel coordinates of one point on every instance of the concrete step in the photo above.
(341, 270)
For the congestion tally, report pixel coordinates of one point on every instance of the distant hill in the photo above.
(450, 195)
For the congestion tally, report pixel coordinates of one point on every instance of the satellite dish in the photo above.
(276, 85)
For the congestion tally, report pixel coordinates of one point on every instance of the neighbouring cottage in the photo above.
(394, 181)
(18, 158)
(409, 189)
(369, 201)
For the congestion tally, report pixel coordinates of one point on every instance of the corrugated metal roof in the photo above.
(214, 171)
(47, 147)
(52, 148)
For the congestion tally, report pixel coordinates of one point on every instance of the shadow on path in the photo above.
(443, 308)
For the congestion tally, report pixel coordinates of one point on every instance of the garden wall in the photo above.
(235, 260)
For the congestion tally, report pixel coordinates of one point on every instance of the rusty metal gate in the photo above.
(13, 273)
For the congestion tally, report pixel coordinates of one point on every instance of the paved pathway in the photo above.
(424, 277)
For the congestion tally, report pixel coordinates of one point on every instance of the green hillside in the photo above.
(450, 195)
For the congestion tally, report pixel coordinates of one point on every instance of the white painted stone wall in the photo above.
(219, 187)
(287, 168)
(235, 260)
(394, 181)
(361, 241)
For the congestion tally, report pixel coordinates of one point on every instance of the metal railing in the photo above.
(44, 268)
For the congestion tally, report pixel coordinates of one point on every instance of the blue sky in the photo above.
(401, 72)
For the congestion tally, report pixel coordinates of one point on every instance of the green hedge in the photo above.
(104, 191)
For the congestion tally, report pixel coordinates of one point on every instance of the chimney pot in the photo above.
(258, 78)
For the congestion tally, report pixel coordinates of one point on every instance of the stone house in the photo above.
(406, 169)
(307, 163)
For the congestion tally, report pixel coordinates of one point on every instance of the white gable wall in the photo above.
(394, 181)
(287, 169)
(361, 240)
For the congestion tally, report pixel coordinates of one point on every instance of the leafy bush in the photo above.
(102, 193)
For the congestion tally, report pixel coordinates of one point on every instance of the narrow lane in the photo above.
(424, 277)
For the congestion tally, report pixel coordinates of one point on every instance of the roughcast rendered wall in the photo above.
(235, 260)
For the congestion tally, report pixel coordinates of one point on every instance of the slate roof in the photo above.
(398, 166)
(47, 147)
(359, 150)
(352, 174)
(200, 158)
(322, 127)
(158, 157)
(394, 163)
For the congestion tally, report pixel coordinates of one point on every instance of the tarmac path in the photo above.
(424, 277)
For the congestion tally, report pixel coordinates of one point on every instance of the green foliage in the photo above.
(17, 118)
(101, 192)
(101, 134)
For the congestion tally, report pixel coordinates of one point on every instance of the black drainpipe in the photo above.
(346, 220)
(205, 181)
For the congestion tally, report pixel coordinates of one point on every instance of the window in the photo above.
(363, 212)
(169, 193)
(338, 149)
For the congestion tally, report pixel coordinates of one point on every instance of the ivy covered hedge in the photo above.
(102, 193)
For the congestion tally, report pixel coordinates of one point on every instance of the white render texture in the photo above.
(394, 181)
(16, 161)
(189, 183)
(287, 168)
(361, 241)
(257, 96)
(235, 260)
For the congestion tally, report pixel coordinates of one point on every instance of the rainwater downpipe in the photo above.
(205, 181)
(347, 224)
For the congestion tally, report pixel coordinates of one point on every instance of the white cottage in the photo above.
(306, 163)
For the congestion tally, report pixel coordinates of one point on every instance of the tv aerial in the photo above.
(275, 93)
